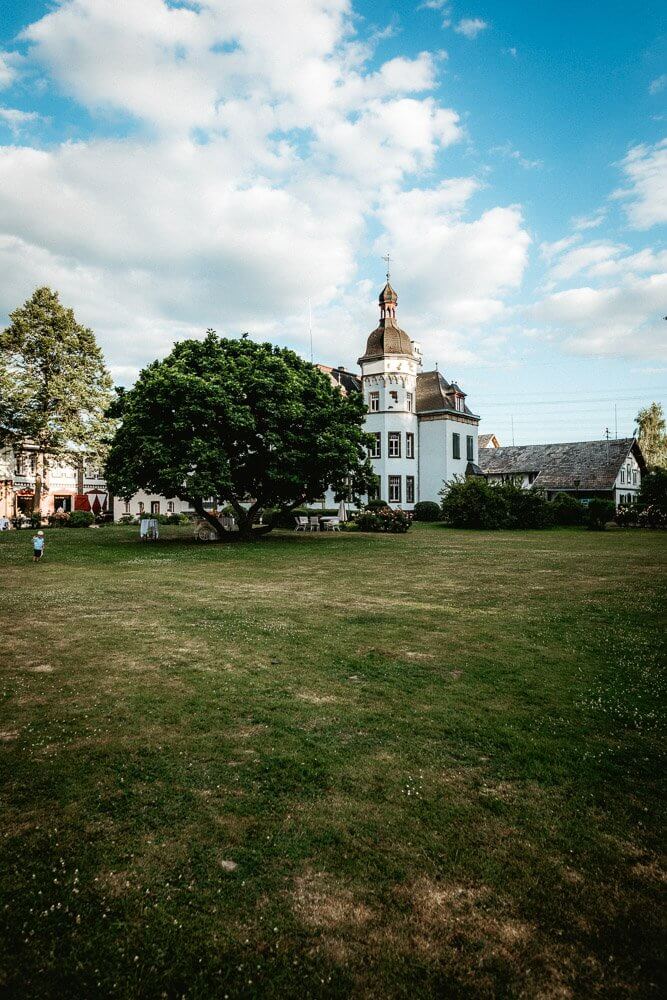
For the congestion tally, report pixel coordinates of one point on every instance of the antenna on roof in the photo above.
(607, 433)
(387, 260)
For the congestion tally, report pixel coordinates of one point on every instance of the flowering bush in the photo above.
(386, 519)
(652, 517)
(627, 516)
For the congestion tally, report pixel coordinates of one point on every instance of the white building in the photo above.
(424, 432)
(586, 469)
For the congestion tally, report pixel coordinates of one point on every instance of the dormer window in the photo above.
(459, 401)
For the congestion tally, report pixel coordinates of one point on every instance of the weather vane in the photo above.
(387, 260)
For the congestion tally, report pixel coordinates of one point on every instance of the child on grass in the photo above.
(37, 546)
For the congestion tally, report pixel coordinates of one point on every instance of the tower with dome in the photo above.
(424, 433)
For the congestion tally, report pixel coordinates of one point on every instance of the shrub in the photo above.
(426, 510)
(652, 517)
(58, 520)
(384, 519)
(627, 517)
(473, 503)
(599, 512)
(653, 490)
(525, 508)
(567, 510)
(376, 504)
(81, 519)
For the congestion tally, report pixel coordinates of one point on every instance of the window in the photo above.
(628, 470)
(374, 490)
(634, 477)
(171, 507)
(456, 445)
(408, 401)
(409, 445)
(470, 448)
(375, 450)
(459, 401)
(127, 507)
(622, 475)
(409, 489)
(394, 444)
(155, 506)
(141, 507)
(373, 401)
(394, 396)
(394, 489)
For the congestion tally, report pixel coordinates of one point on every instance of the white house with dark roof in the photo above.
(424, 433)
(609, 469)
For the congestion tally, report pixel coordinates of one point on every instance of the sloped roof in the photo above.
(387, 338)
(347, 381)
(486, 441)
(435, 393)
(576, 465)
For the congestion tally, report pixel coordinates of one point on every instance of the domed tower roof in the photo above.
(387, 338)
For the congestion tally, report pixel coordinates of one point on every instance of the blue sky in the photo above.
(170, 166)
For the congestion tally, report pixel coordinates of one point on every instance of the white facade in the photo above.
(149, 503)
(628, 482)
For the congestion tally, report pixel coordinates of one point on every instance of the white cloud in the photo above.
(7, 70)
(624, 320)
(645, 168)
(470, 27)
(264, 149)
(658, 85)
(508, 152)
(17, 120)
(582, 222)
(582, 258)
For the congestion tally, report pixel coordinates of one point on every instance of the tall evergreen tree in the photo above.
(54, 387)
(651, 435)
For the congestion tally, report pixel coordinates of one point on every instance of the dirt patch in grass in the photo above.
(317, 699)
(325, 905)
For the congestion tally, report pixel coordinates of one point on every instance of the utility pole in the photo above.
(310, 329)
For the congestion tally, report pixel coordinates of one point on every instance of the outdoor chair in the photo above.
(314, 523)
(301, 523)
(332, 524)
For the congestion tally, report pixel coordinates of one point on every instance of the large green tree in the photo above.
(54, 387)
(247, 424)
(651, 435)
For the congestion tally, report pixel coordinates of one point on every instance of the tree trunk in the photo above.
(37, 495)
(246, 518)
(198, 504)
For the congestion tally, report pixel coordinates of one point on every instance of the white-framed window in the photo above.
(394, 444)
(409, 401)
(456, 445)
(171, 507)
(394, 489)
(622, 475)
(634, 477)
(155, 506)
(459, 401)
(373, 401)
(127, 507)
(409, 445)
(393, 395)
(470, 448)
(374, 491)
(141, 507)
(375, 450)
(409, 489)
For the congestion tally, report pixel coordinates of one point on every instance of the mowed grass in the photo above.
(332, 766)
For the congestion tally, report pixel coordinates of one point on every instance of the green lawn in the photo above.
(332, 766)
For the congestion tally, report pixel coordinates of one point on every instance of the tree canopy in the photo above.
(651, 435)
(54, 385)
(246, 424)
